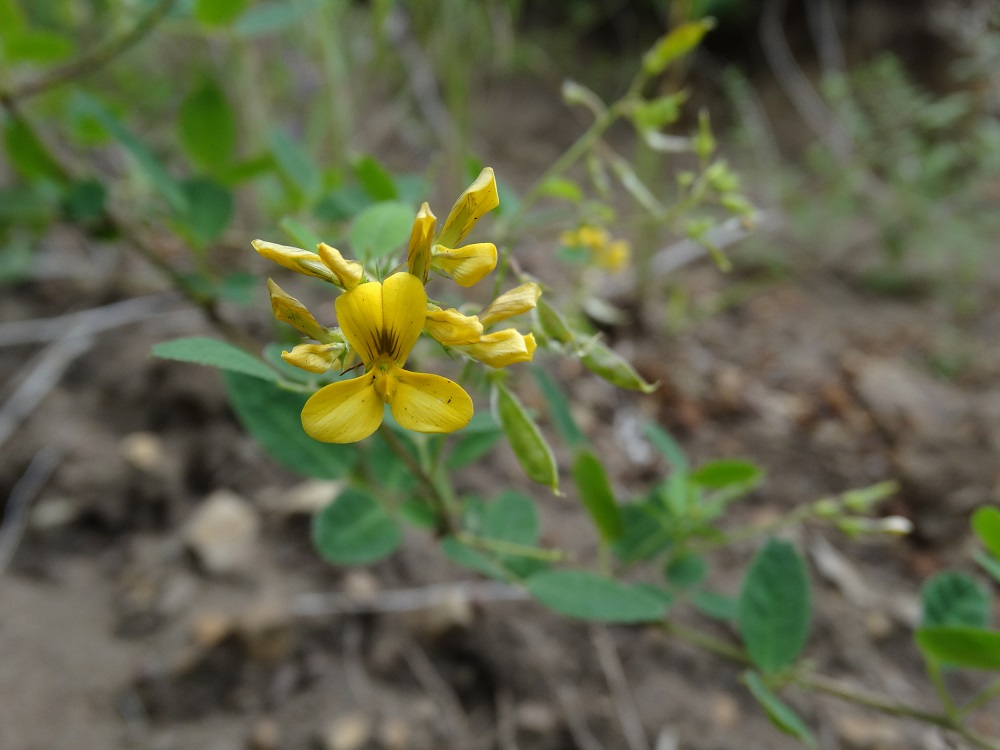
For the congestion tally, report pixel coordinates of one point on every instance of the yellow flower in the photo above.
(295, 259)
(614, 256)
(467, 264)
(316, 358)
(520, 299)
(289, 310)
(501, 348)
(610, 255)
(450, 327)
(382, 321)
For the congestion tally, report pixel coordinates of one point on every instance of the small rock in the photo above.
(144, 450)
(863, 733)
(265, 735)
(348, 732)
(54, 512)
(878, 624)
(222, 533)
(394, 734)
(305, 498)
(361, 585)
(209, 628)
(536, 717)
(725, 711)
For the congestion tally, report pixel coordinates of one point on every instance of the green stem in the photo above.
(445, 525)
(92, 60)
(984, 696)
(502, 547)
(705, 641)
(934, 673)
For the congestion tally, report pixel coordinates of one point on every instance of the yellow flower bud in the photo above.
(467, 265)
(349, 273)
(520, 299)
(479, 198)
(502, 348)
(289, 310)
(295, 259)
(450, 327)
(418, 257)
(316, 358)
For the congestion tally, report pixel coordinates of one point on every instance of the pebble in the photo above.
(144, 450)
(536, 717)
(350, 731)
(223, 533)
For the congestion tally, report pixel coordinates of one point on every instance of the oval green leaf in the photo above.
(354, 530)
(774, 606)
(588, 596)
(215, 353)
(381, 229)
(986, 524)
(207, 126)
(954, 598)
(596, 494)
(961, 646)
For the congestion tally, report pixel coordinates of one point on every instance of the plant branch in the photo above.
(92, 60)
(445, 525)
(986, 695)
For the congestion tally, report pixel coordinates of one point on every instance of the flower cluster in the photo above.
(605, 252)
(380, 322)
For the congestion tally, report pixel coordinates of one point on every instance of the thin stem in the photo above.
(92, 60)
(501, 547)
(705, 641)
(986, 695)
(445, 525)
(934, 673)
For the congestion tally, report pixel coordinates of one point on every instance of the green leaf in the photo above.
(986, 524)
(147, 162)
(85, 200)
(342, 203)
(375, 180)
(295, 164)
(381, 229)
(268, 18)
(961, 646)
(383, 462)
(214, 353)
(559, 409)
(354, 529)
(686, 570)
(271, 414)
(560, 187)
(16, 261)
(11, 19)
(207, 126)
(780, 714)
(472, 446)
(26, 205)
(643, 534)
(727, 472)
(588, 596)
(530, 447)
(679, 42)
(953, 598)
(38, 46)
(28, 156)
(716, 606)
(510, 518)
(596, 494)
(671, 450)
(218, 12)
(990, 564)
(210, 209)
(608, 364)
(774, 606)
(301, 235)
(656, 113)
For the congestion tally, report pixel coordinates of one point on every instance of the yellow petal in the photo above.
(502, 348)
(404, 306)
(383, 320)
(614, 256)
(295, 259)
(466, 265)
(418, 257)
(289, 310)
(314, 357)
(359, 313)
(518, 300)
(450, 327)
(348, 272)
(429, 403)
(343, 412)
(478, 199)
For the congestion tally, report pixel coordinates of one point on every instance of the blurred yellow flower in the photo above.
(382, 321)
(606, 253)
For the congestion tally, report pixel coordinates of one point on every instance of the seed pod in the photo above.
(526, 440)
(552, 323)
(606, 363)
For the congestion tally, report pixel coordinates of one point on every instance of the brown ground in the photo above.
(113, 637)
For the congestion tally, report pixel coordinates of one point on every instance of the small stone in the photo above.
(878, 624)
(863, 733)
(144, 450)
(361, 585)
(53, 513)
(725, 711)
(222, 533)
(265, 735)
(210, 628)
(305, 498)
(536, 717)
(348, 732)
(394, 734)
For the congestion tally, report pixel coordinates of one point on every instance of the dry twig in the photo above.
(607, 654)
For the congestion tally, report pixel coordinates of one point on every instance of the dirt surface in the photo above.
(115, 633)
